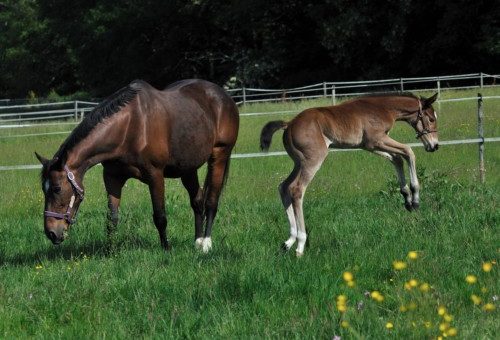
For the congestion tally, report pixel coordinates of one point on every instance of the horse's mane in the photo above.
(105, 109)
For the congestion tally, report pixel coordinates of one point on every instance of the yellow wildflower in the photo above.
(475, 299)
(471, 279)
(412, 306)
(341, 298)
(413, 283)
(348, 276)
(447, 317)
(38, 266)
(441, 310)
(428, 324)
(489, 307)
(444, 326)
(351, 284)
(452, 331)
(377, 296)
(484, 290)
(389, 325)
(487, 266)
(424, 287)
(413, 255)
(341, 308)
(403, 308)
(344, 324)
(399, 265)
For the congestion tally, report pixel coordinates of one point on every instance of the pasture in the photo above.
(246, 287)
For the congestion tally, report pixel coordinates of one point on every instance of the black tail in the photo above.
(266, 135)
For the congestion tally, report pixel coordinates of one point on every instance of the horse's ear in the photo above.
(428, 102)
(42, 159)
(56, 163)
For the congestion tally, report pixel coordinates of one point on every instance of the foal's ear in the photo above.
(42, 159)
(428, 102)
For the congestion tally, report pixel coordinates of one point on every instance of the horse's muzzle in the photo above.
(56, 235)
(432, 148)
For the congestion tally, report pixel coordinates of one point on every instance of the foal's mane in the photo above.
(105, 109)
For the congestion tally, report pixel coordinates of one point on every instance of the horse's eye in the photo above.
(56, 190)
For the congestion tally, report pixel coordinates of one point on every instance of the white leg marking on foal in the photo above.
(198, 243)
(293, 227)
(207, 244)
(302, 237)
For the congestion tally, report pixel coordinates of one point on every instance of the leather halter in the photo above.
(420, 116)
(76, 190)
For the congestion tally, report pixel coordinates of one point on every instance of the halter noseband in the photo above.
(76, 190)
(420, 116)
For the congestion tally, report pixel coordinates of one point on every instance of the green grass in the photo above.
(246, 287)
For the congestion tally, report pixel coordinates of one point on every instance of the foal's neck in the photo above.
(406, 108)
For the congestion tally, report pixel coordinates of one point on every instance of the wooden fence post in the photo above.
(244, 96)
(480, 131)
(334, 99)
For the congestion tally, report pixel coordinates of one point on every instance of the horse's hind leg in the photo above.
(190, 182)
(286, 199)
(218, 166)
(308, 168)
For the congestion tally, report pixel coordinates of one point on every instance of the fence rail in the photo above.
(76, 110)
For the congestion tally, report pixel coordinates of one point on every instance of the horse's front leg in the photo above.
(389, 145)
(397, 161)
(114, 185)
(157, 191)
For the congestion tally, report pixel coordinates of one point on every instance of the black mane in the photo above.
(105, 109)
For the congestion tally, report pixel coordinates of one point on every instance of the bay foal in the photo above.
(363, 123)
(144, 133)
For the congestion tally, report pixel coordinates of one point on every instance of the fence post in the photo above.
(401, 84)
(482, 81)
(324, 89)
(480, 131)
(334, 99)
(244, 96)
(439, 93)
(76, 110)
(82, 113)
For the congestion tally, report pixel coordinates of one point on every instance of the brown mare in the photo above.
(143, 133)
(359, 123)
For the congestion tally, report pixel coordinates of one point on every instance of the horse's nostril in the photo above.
(436, 147)
(52, 236)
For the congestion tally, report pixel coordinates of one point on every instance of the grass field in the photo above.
(246, 287)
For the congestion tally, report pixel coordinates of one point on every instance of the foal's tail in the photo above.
(266, 135)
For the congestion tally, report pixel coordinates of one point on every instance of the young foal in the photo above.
(359, 123)
(141, 132)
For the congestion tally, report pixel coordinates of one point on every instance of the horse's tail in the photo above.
(266, 135)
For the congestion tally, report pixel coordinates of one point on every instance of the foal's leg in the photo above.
(213, 187)
(391, 146)
(397, 161)
(157, 191)
(286, 199)
(114, 185)
(190, 182)
(308, 168)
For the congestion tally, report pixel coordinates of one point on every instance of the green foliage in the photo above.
(98, 46)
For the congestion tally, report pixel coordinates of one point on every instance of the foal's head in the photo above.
(63, 196)
(425, 124)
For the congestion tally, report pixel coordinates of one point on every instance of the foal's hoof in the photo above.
(285, 247)
(299, 253)
(409, 206)
(415, 205)
(206, 245)
(198, 243)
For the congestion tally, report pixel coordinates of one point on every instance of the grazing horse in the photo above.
(144, 133)
(359, 123)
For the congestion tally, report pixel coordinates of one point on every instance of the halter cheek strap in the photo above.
(420, 116)
(76, 190)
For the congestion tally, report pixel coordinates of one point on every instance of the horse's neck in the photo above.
(97, 147)
(406, 109)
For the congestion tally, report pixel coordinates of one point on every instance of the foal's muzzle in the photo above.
(56, 235)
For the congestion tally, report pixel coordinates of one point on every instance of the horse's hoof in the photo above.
(409, 206)
(299, 254)
(285, 247)
(198, 243)
(415, 205)
(206, 245)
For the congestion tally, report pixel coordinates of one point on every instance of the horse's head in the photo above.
(63, 196)
(426, 124)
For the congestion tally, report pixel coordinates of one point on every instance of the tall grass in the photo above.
(246, 287)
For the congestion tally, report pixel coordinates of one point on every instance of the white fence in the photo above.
(26, 115)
